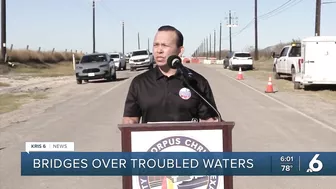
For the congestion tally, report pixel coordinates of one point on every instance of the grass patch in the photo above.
(10, 102)
(2, 84)
(45, 70)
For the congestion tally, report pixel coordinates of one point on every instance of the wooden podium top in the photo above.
(166, 126)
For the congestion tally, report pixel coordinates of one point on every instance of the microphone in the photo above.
(175, 62)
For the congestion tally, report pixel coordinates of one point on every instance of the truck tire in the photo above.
(297, 85)
(275, 73)
(293, 74)
(79, 81)
(114, 77)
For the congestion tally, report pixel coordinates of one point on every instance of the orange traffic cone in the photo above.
(269, 88)
(240, 74)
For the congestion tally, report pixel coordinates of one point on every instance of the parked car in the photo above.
(119, 60)
(141, 59)
(95, 66)
(241, 60)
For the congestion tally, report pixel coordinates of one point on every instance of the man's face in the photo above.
(165, 45)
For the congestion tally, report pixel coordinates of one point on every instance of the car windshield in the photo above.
(94, 58)
(136, 53)
(114, 56)
(243, 55)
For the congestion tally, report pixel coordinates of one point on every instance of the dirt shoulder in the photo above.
(28, 89)
(24, 99)
(319, 104)
(263, 69)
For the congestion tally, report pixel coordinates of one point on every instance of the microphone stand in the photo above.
(205, 100)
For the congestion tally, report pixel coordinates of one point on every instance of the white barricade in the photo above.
(207, 62)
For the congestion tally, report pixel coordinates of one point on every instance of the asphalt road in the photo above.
(90, 120)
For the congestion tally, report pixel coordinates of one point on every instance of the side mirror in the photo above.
(274, 55)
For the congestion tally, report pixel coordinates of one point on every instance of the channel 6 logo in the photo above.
(315, 165)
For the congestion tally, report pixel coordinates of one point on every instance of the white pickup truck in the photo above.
(288, 62)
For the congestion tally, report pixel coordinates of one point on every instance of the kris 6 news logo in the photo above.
(315, 165)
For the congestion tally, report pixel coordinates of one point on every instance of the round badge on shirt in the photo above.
(185, 93)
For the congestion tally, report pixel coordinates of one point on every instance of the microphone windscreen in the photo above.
(171, 59)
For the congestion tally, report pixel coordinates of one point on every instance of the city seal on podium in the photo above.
(178, 182)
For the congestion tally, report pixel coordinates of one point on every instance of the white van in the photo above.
(318, 64)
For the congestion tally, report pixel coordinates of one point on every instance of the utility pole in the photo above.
(230, 25)
(210, 44)
(215, 43)
(123, 37)
(318, 18)
(256, 52)
(3, 30)
(148, 43)
(220, 40)
(138, 40)
(204, 47)
(94, 26)
(207, 48)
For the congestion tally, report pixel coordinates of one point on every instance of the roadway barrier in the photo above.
(195, 60)
(186, 60)
(219, 61)
(206, 61)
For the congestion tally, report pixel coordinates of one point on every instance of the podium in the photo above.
(183, 137)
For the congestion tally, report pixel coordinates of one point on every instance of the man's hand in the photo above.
(130, 120)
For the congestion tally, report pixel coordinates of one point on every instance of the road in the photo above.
(90, 120)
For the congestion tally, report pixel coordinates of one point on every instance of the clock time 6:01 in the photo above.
(286, 158)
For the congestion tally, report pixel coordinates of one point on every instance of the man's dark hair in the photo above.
(178, 33)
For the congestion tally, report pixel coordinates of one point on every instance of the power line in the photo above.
(328, 2)
(269, 14)
(285, 6)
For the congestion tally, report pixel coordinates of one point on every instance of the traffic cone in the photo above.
(269, 88)
(240, 74)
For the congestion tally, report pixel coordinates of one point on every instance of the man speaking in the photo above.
(161, 94)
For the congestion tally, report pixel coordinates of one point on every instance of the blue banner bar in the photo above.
(177, 163)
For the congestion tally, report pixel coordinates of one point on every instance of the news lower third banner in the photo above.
(177, 163)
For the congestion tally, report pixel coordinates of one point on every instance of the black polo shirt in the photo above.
(154, 97)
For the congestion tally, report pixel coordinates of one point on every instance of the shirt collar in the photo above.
(160, 75)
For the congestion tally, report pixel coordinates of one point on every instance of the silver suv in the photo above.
(95, 66)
